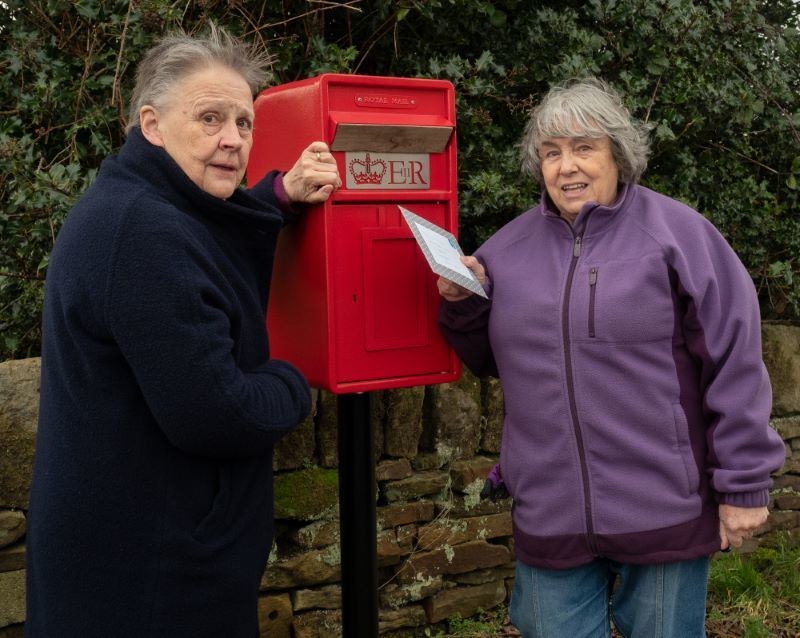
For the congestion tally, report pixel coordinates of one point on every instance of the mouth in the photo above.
(574, 188)
(226, 168)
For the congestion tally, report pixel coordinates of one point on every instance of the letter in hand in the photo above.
(451, 291)
(314, 176)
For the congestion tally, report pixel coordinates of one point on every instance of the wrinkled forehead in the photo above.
(214, 82)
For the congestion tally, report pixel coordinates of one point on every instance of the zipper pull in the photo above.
(576, 248)
(593, 276)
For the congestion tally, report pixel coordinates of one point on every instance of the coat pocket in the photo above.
(684, 448)
(216, 520)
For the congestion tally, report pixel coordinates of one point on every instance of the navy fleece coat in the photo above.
(151, 504)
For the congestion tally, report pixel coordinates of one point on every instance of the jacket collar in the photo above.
(602, 215)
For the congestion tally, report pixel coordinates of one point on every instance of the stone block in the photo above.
(307, 495)
(329, 597)
(453, 560)
(788, 427)
(394, 619)
(781, 345)
(493, 407)
(429, 461)
(786, 481)
(318, 624)
(791, 465)
(317, 534)
(464, 601)
(12, 558)
(465, 472)
(780, 520)
(388, 551)
(296, 448)
(19, 414)
(393, 470)
(403, 421)
(406, 535)
(316, 567)
(12, 597)
(471, 505)
(405, 513)
(12, 527)
(787, 501)
(481, 576)
(396, 595)
(416, 486)
(453, 531)
(453, 417)
(275, 616)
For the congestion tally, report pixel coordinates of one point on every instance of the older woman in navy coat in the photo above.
(151, 504)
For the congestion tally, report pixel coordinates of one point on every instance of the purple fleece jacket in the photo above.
(629, 350)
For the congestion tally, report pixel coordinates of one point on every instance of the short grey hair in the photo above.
(178, 55)
(587, 107)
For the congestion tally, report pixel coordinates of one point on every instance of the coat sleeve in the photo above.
(722, 326)
(465, 326)
(173, 325)
(270, 190)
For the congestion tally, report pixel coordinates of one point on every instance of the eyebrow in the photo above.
(215, 104)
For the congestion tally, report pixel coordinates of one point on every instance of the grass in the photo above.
(755, 595)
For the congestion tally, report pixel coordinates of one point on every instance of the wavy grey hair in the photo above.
(587, 107)
(178, 55)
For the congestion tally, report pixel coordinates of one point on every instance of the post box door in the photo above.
(384, 294)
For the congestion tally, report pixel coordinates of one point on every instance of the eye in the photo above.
(209, 118)
(244, 124)
(551, 154)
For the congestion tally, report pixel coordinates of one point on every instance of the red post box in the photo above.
(353, 303)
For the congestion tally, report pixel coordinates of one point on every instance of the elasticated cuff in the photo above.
(759, 498)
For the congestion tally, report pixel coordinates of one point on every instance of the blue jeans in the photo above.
(667, 600)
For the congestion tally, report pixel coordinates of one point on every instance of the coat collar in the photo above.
(155, 166)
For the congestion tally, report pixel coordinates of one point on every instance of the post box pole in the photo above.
(357, 517)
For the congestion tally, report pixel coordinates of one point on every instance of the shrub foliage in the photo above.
(717, 80)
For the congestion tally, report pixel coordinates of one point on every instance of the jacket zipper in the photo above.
(573, 407)
(592, 288)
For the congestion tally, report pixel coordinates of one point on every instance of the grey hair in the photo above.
(587, 107)
(178, 55)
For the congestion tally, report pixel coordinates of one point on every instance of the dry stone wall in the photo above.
(442, 550)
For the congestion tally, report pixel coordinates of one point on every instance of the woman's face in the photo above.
(578, 170)
(206, 126)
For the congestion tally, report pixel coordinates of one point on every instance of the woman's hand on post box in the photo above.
(452, 291)
(313, 177)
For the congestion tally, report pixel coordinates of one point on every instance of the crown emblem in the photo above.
(367, 171)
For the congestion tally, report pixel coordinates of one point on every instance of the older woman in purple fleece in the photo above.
(626, 335)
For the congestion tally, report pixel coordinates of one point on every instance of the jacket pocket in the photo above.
(592, 292)
(684, 447)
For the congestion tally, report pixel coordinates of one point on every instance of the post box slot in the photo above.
(389, 138)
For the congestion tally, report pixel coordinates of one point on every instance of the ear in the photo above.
(148, 120)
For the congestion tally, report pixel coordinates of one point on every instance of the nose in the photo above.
(567, 165)
(230, 136)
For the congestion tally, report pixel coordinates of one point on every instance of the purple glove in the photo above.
(494, 487)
